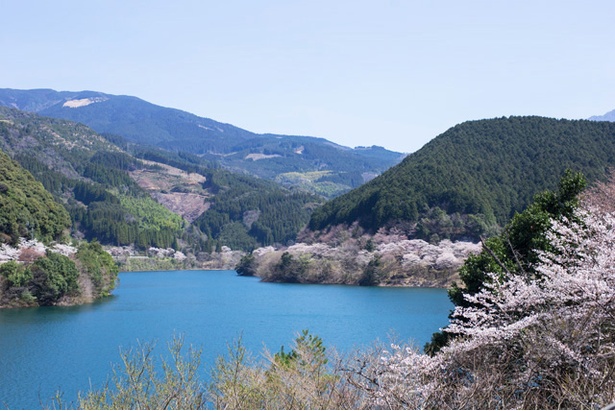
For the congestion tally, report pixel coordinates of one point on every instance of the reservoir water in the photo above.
(43, 350)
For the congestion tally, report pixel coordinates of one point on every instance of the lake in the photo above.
(46, 349)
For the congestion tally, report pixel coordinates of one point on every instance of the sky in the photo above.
(392, 73)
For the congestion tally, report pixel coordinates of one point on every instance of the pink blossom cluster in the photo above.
(543, 340)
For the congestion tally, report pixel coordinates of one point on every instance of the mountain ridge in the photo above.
(473, 177)
(232, 147)
(119, 198)
(610, 116)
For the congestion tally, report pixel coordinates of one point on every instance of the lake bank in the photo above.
(69, 348)
(388, 261)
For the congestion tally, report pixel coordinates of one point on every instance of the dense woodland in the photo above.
(27, 209)
(39, 275)
(248, 212)
(471, 179)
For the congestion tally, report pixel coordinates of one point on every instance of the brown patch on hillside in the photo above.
(190, 206)
(180, 192)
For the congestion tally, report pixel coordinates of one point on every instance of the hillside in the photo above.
(474, 177)
(150, 197)
(27, 210)
(265, 155)
(34, 269)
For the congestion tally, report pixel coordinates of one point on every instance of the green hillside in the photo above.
(27, 210)
(475, 176)
(88, 175)
(95, 181)
(248, 212)
(50, 278)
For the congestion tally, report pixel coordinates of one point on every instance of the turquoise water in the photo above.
(46, 349)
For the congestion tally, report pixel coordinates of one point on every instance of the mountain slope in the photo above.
(44, 276)
(264, 155)
(474, 176)
(115, 196)
(610, 116)
(26, 209)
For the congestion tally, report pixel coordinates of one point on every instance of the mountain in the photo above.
(471, 179)
(610, 116)
(309, 162)
(150, 197)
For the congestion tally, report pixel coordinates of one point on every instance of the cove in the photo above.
(46, 349)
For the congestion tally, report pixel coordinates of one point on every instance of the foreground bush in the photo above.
(138, 386)
(304, 378)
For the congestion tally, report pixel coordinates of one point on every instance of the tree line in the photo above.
(478, 173)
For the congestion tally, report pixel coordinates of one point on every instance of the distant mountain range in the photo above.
(610, 116)
(315, 164)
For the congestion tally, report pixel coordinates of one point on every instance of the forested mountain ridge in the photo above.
(268, 156)
(474, 177)
(110, 193)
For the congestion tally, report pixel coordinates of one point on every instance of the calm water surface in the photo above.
(46, 349)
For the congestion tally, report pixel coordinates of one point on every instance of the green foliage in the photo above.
(53, 276)
(309, 351)
(478, 173)
(149, 214)
(90, 177)
(324, 183)
(16, 274)
(27, 209)
(372, 273)
(289, 269)
(247, 212)
(516, 248)
(235, 235)
(81, 169)
(247, 265)
(99, 266)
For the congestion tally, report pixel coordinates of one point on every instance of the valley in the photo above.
(197, 208)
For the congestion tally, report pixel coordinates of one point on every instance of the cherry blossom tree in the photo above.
(543, 338)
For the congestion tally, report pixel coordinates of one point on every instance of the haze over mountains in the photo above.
(312, 163)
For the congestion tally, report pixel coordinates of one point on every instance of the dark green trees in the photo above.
(27, 210)
(247, 212)
(43, 282)
(55, 278)
(477, 174)
(98, 266)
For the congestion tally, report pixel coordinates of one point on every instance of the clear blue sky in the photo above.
(391, 72)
